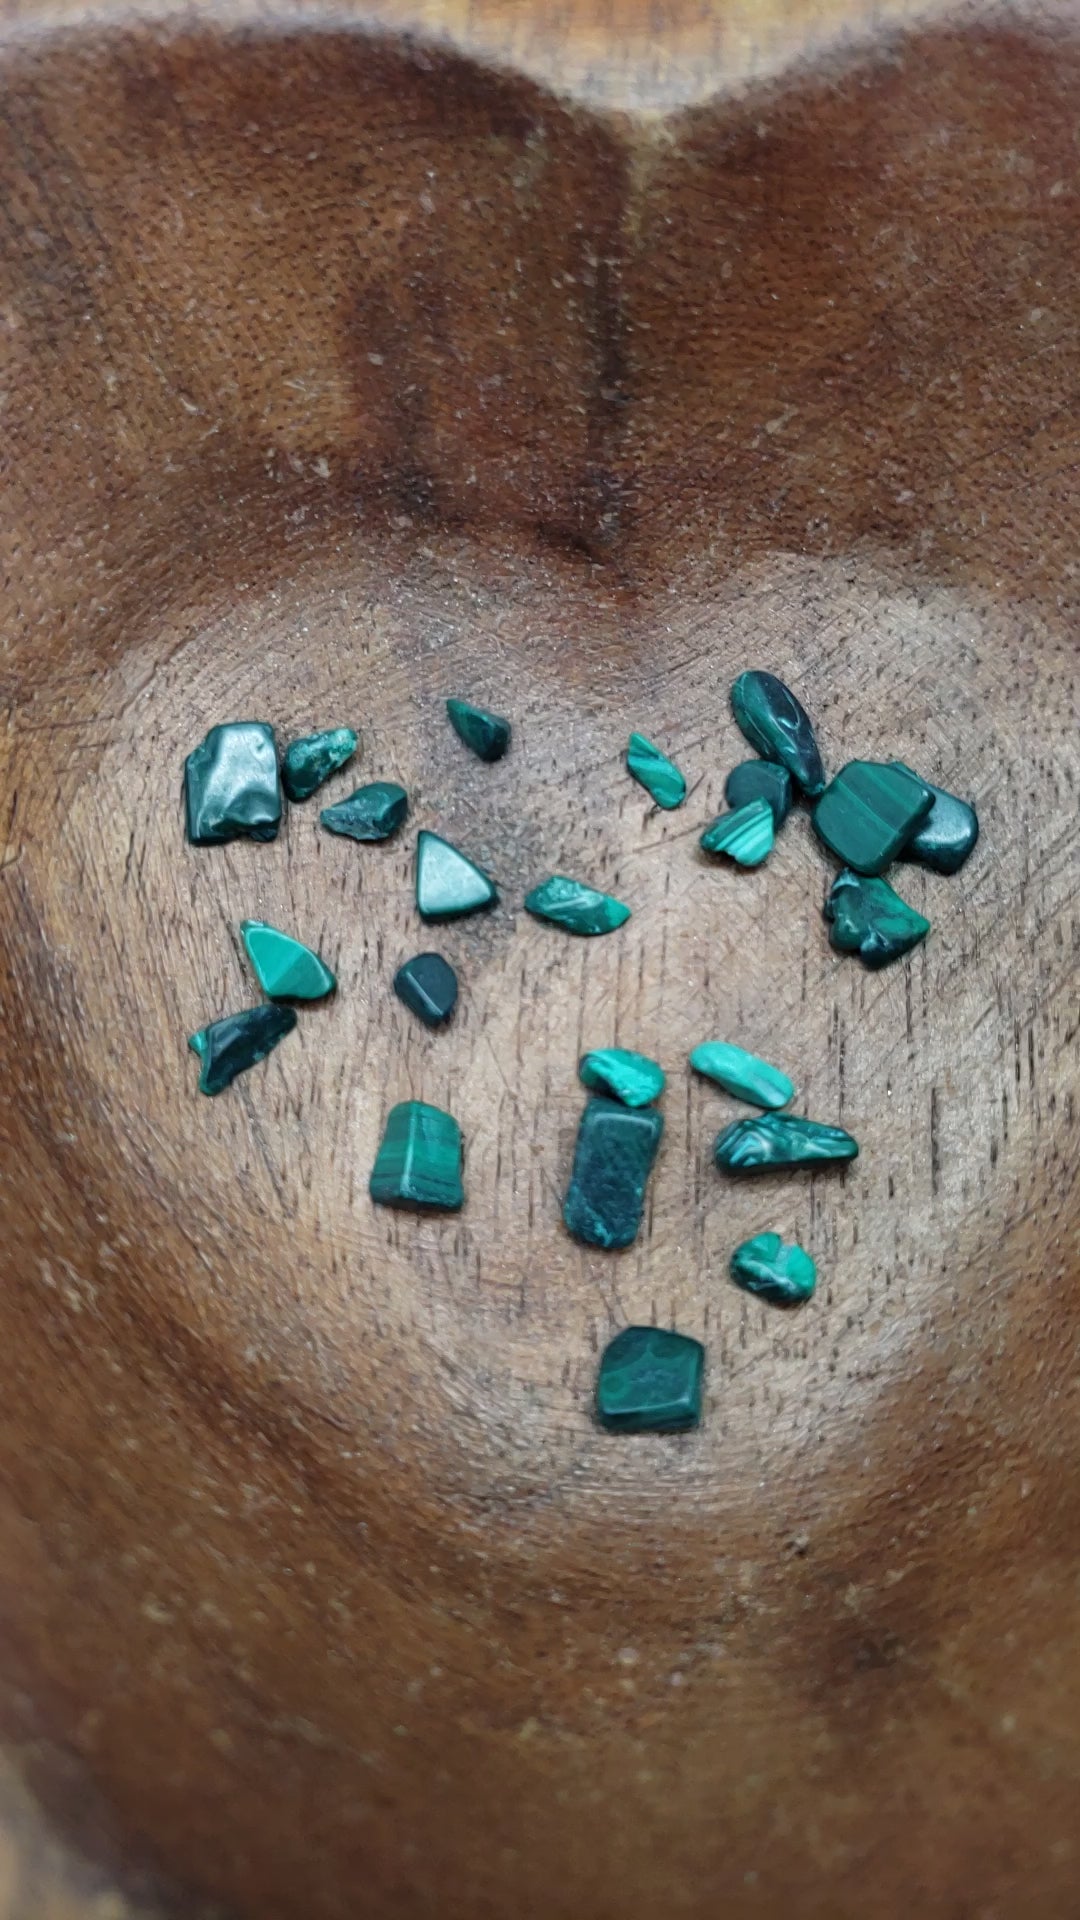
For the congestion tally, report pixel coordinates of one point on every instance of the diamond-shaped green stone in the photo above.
(284, 967)
(310, 761)
(487, 734)
(616, 1147)
(657, 774)
(782, 1274)
(448, 883)
(231, 785)
(228, 1047)
(373, 812)
(575, 906)
(742, 1074)
(781, 1140)
(650, 1382)
(745, 835)
(869, 813)
(419, 1161)
(632, 1078)
(869, 919)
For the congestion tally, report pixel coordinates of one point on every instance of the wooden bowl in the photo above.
(349, 366)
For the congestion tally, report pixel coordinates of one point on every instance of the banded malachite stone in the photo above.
(448, 883)
(869, 813)
(778, 727)
(760, 780)
(429, 988)
(659, 776)
(311, 761)
(228, 1047)
(419, 1161)
(767, 1266)
(746, 835)
(373, 812)
(284, 967)
(947, 835)
(231, 785)
(487, 734)
(869, 919)
(650, 1382)
(781, 1140)
(742, 1074)
(631, 1078)
(573, 905)
(616, 1147)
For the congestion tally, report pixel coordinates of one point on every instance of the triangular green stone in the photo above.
(284, 967)
(487, 734)
(448, 883)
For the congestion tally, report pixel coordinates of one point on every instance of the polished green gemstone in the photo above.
(869, 812)
(428, 986)
(760, 780)
(765, 1265)
(746, 835)
(630, 1077)
(373, 812)
(231, 785)
(650, 1382)
(656, 773)
(448, 883)
(781, 1140)
(228, 1047)
(310, 761)
(742, 1074)
(616, 1147)
(419, 1160)
(869, 919)
(284, 967)
(488, 734)
(573, 905)
(778, 727)
(947, 835)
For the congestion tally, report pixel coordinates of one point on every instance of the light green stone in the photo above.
(746, 834)
(657, 774)
(310, 761)
(630, 1077)
(783, 1274)
(448, 883)
(573, 905)
(284, 967)
(742, 1074)
(419, 1160)
(780, 1140)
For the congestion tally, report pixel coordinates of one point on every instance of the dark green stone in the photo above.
(284, 967)
(448, 883)
(947, 835)
(231, 785)
(784, 1275)
(373, 812)
(419, 1161)
(778, 727)
(659, 776)
(869, 812)
(760, 780)
(630, 1077)
(311, 761)
(869, 919)
(488, 734)
(616, 1147)
(573, 905)
(650, 1382)
(428, 986)
(781, 1140)
(228, 1047)
(746, 835)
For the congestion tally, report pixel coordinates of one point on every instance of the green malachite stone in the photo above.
(742, 1074)
(616, 1147)
(760, 780)
(869, 812)
(632, 1078)
(285, 968)
(869, 919)
(428, 986)
(947, 835)
(657, 774)
(373, 812)
(231, 785)
(488, 734)
(781, 1140)
(650, 1382)
(419, 1161)
(448, 883)
(746, 835)
(765, 1265)
(311, 761)
(778, 727)
(573, 905)
(228, 1047)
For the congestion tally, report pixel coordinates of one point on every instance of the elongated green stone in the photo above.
(760, 780)
(228, 1047)
(373, 812)
(746, 835)
(742, 1074)
(573, 905)
(778, 727)
(781, 1140)
(310, 761)
(657, 774)
(650, 1382)
(869, 919)
(767, 1266)
(448, 883)
(427, 984)
(947, 835)
(869, 812)
(284, 967)
(419, 1160)
(488, 734)
(231, 785)
(616, 1147)
(630, 1077)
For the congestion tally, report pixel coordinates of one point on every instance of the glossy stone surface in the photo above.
(742, 1074)
(488, 734)
(448, 883)
(656, 773)
(311, 761)
(760, 780)
(869, 919)
(650, 1382)
(228, 1047)
(284, 967)
(231, 785)
(778, 727)
(869, 812)
(419, 1161)
(631, 1078)
(428, 986)
(573, 905)
(775, 1271)
(947, 835)
(373, 812)
(746, 835)
(616, 1147)
(781, 1140)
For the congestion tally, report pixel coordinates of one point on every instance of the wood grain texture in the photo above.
(341, 374)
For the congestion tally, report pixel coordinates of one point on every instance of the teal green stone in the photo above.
(373, 812)
(573, 905)
(228, 1047)
(231, 785)
(869, 812)
(746, 835)
(781, 1140)
(765, 1265)
(760, 780)
(488, 734)
(419, 1161)
(630, 1077)
(284, 967)
(448, 883)
(616, 1147)
(742, 1074)
(947, 835)
(650, 1382)
(657, 774)
(869, 919)
(778, 727)
(311, 761)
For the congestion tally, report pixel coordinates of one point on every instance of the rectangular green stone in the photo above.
(616, 1147)
(419, 1161)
